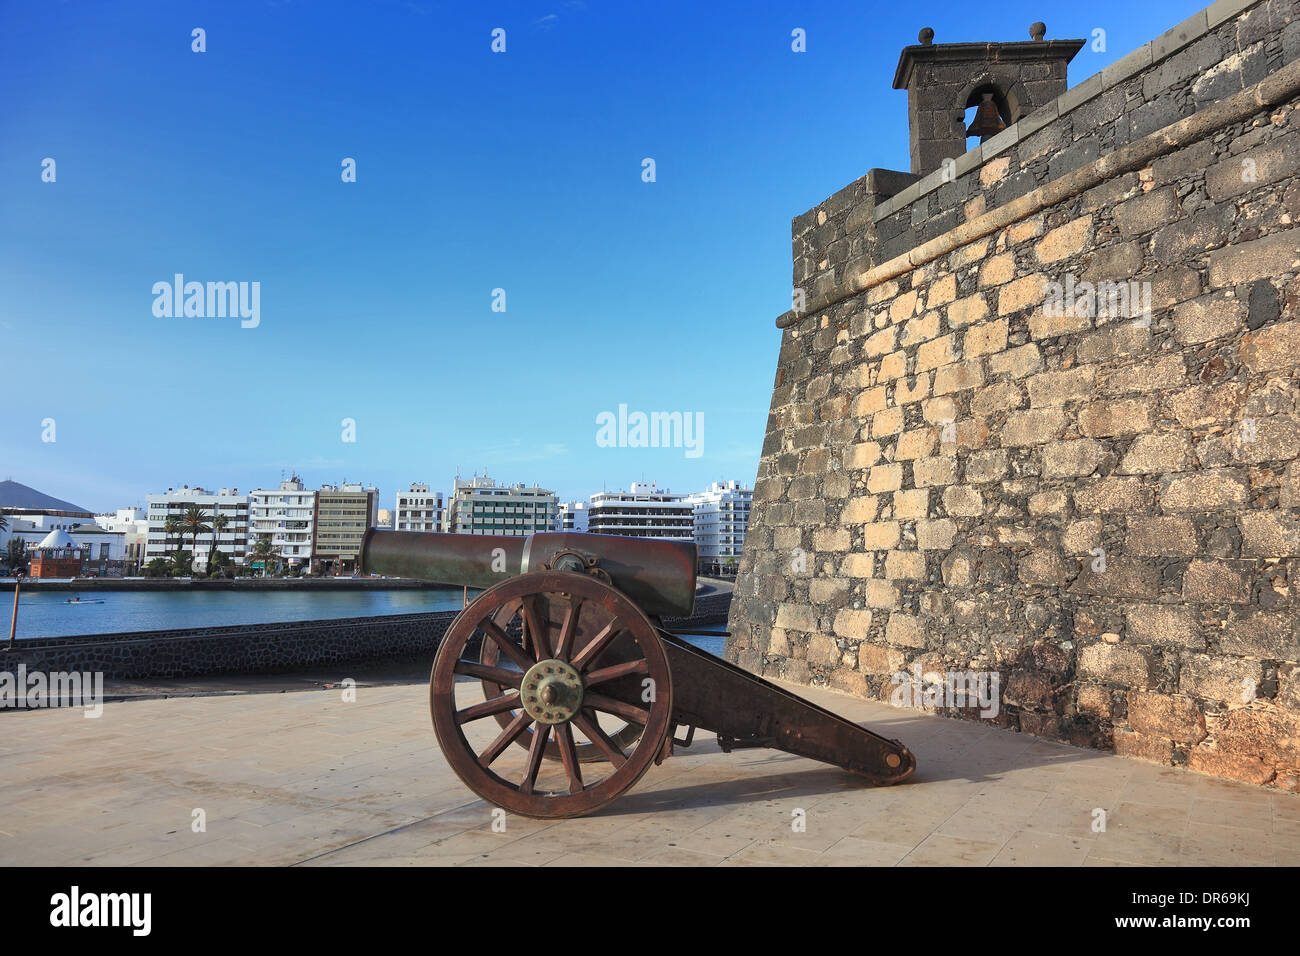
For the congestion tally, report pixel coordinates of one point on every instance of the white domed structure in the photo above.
(58, 539)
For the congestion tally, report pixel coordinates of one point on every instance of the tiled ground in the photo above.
(306, 778)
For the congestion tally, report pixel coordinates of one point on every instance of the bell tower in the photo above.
(1003, 81)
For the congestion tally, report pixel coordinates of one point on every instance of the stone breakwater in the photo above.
(263, 648)
(1102, 509)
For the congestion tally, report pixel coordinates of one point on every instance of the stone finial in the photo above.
(926, 36)
(1037, 30)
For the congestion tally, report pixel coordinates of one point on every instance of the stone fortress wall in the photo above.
(1101, 509)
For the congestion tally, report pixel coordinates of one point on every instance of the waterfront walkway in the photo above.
(306, 778)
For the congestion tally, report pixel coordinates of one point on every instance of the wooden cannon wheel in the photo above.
(554, 685)
(550, 617)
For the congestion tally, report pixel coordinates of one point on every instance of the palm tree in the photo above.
(193, 523)
(4, 522)
(219, 523)
(264, 550)
(170, 527)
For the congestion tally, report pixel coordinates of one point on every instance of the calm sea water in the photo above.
(707, 642)
(49, 615)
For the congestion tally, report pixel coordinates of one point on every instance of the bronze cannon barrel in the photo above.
(658, 575)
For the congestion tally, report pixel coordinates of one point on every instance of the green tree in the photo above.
(194, 522)
(182, 564)
(17, 554)
(170, 527)
(264, 551)
(157, 568)
(219, 523)
(220, 563)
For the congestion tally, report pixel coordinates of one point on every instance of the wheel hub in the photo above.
(551, 692)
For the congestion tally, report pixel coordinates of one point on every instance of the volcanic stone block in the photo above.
(1110, 495)
(1257, 259)
(1064, 241)
(1209, 317)
(1122, 417)
(1118, 664)
(1220, 489)
(1057, 388)
(1161, 537)
(1271, 635)
(1227, 679)
(1163, 624)
(1146, 212)
(1022, 293)
(1017, 362)
(905, 630)
(1153, 454)
(1034, 427)
(1216, 582)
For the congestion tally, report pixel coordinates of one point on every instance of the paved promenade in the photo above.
(306, 778)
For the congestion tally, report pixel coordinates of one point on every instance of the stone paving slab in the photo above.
(307, 778)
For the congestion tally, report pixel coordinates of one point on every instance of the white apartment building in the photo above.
(480, 506)
(573, 516)
(646, 511)
(227, 502)
(133, 525)
(288, 515)
(344, 512)
(721, 515)
(419, 509)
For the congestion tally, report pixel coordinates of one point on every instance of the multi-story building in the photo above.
(721, 514)
(133, 525)
(646, 511)
(480, 506)
(343, 513)
(227, 502)
(288, 515)
(573, 516)
(419, 509)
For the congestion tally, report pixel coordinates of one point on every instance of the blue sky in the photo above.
(475, 171)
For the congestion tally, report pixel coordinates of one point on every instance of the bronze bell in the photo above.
(987, 120)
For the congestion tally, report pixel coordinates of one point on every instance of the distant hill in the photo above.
(14, 495)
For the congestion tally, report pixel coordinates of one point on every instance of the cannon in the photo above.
(568, 646)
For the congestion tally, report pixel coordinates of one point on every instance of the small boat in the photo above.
(78, 600)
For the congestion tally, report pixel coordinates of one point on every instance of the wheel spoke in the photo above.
(597, 644)
(617, 707)
(638, 666)
(569, 629)
(540, 639)
(504, 739)
(502, 640)
(535, 752)
(497, 675)
(496, 705)
(590, 727)
(569, 757)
